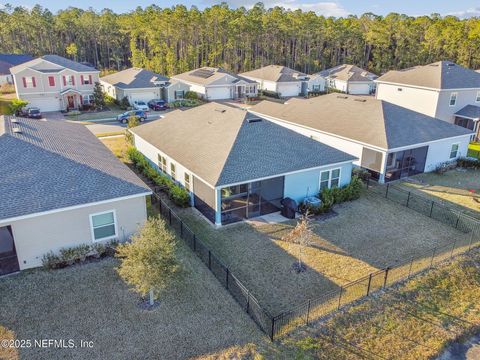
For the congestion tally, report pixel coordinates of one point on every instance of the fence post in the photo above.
(369, 283)
(181, 229)
(471, 241)
(431, 209)
(386, 192)
(385, 278)
(160, 205)
(340, 297)
(209, 260)
(308, 310)
(433, 256)
(458, 219)
(410, 268)
(170, 216)
(408, 199)
(194, 242)
(248, 301)
(272, 334)
(226, 278)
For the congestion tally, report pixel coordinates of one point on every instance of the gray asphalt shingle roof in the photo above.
(469, 112)
(362, 119)
(55, 164)
(134, 78)
(219, 145)
(9, 60)
(67, 63)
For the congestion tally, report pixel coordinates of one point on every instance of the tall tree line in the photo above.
(177, 39)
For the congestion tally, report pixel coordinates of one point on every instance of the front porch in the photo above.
(74, 100)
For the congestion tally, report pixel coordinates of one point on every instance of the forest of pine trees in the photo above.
(177, 39)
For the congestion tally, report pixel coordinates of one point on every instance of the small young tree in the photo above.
(98, 96)
(17, 105)
(301, 235)
(148, 262)
(72, 51)
(124, 103)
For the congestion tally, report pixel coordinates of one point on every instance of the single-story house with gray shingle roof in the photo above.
(134, 83)
(388, 140)
(6, 62)
(349, 79)
(238, 165)
(61, 187)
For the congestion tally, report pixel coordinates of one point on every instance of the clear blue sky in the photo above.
(461, 8)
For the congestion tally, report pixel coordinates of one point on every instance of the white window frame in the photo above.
(453, 96)
(86, 80)
(89, 99)
(114, 225)
(188, 184)
(392, 163)
(329, 177)
(456, 151)
(28, 82)
(162, 163)
(69, 80)
(477, 99)
(173, 173)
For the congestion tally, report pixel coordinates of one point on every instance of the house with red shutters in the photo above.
(54, 83)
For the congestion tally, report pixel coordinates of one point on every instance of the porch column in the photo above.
(218, 208)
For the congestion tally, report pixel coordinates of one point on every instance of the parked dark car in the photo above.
(31, 112)
(139, 114)
(158, 104)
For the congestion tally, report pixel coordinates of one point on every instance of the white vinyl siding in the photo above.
(103, 226)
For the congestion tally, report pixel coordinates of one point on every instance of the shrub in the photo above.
(16, 105)
(68, 255)
(98, 250)
(50, 260)
(124, 103)
(469, 163)
(179, 195)
(192, 95)
(109, 100)
(272, 94)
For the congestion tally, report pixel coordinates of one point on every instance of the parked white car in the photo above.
(140, 105)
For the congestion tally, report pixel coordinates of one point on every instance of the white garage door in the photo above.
(359, 89)
(143, 96)
(218, 93)
(45, 104)
(292, 89)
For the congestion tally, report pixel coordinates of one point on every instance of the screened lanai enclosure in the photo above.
(252, 199)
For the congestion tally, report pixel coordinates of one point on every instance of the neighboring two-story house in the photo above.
(8, 61)
(54, 83)
(443, 90)
(349, 79)
(212, 83)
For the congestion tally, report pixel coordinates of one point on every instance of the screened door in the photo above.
(8, 254)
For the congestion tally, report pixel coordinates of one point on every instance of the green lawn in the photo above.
(86, 116)
(474, 150)
(456, 189)
(411, 322)
(4, 106)
(196, 316)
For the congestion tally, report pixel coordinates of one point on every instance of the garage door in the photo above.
(359, 89)
(144, 96)
(218, 93)
(289, 89)
(45, 105)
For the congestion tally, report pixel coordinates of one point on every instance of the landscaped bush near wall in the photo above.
(178, 194)
(77, 254)
(468, 163)
(331, 196)
(271, 94)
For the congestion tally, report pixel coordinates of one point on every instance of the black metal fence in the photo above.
(311, 309)
(223, 274)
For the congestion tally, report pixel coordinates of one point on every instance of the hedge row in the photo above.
(178, 194)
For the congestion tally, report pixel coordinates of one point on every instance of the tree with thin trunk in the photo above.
(148, 261)
(301, 235)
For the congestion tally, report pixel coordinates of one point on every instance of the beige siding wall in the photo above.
(421, 100)
(38, 235)
(464, 97)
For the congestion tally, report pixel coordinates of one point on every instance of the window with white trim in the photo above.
(87, 99)
(173, 169)
(179, 94)
(453, 99)
(29, 82)
(329, 179)
(477, 99)
(187, 181)
(162, 163)
(103, 225)
(454, 151)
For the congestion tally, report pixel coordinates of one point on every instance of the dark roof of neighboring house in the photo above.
(219, 145)
(363, 119)
(439, 75)
(134, 78)
(469, 112)
(348, 72)
(9, 60)
(276, 73)
(67, 63)
(55, 164)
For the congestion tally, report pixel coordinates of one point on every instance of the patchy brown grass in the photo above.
(457, 189)
(119, 146)
(196, 316)
(7, 353)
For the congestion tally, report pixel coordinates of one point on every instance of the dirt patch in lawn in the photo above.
(195, 317)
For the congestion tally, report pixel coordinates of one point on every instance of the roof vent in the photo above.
(16, 130)
(342, 97)
(450, 64)
(361, 100)
(220, 110)
(254, 120)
